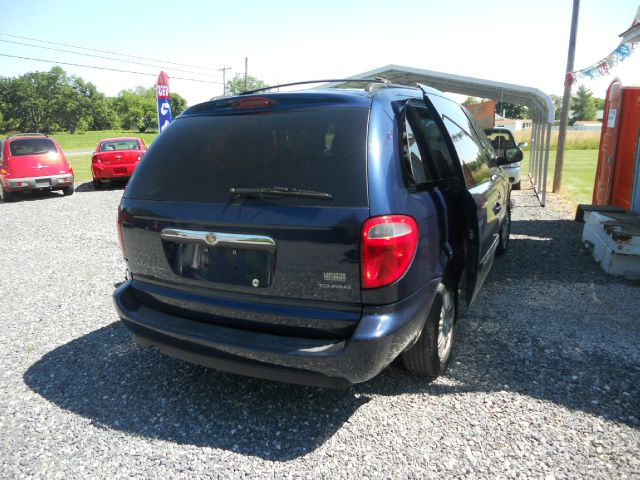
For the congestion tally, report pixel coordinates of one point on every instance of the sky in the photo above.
(520, 41)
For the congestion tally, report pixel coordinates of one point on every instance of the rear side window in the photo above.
(470, 150)
(198, 159)
(32, 146)
(425, 149)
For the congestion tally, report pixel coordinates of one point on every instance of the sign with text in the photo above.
(164, 101)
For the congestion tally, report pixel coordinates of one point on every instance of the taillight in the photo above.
(122, 217)
(389, 244)
(96, 159)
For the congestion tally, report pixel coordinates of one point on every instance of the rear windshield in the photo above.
(32, 146)
(500, 138)
(198, 159)
(119, 145)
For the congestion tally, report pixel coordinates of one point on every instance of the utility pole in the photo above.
(224, 79)
(566, 98)
(246, 68)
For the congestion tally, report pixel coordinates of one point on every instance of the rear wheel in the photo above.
(430, 355)
(505, 231)
(68, 190)
(5, 195)
(97, 184)
(516, 186)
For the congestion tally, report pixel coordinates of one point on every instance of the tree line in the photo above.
(54, 101)
(583, 106)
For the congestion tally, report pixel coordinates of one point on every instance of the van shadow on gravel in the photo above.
(103, 376)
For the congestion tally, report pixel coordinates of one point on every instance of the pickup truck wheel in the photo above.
(505, 231)
(430, 355)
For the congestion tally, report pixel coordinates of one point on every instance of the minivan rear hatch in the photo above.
(255, 199)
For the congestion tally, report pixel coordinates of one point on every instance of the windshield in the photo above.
(200, 159)
(32, 146)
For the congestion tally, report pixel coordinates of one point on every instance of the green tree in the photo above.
(512, 110)
(235, 86)
(178, 104)
(136, 108)
(583, 106)
(470, 101)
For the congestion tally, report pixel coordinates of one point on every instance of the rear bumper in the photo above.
(381, 335)
(33, 183)
(513, 172)
(103, 171)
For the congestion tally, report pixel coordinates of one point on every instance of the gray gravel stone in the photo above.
(545, 382)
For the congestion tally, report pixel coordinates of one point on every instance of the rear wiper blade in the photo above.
(279, 192)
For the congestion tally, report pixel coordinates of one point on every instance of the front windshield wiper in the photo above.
(278, 192)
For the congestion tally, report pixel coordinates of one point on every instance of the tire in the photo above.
(97, 184)
(516, 186)
(68, 190)
(505, 232)
(6, 196)
(430, 355)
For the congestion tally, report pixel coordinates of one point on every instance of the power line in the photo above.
(104, 68)
(100, 56)
(105, 51)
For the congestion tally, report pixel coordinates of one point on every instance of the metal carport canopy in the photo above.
(539, 103)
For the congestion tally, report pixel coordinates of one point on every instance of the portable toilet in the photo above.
(617, 176)
(612, 222)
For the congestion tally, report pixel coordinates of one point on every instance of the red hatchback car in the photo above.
(33, 162)
(116, 158)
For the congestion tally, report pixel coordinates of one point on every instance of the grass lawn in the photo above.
(578, 174)
(81, 166)
(89, 140)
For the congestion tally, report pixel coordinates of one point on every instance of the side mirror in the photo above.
(522, 144)
(511, 155)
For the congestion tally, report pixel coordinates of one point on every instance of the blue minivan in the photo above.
(313, 236)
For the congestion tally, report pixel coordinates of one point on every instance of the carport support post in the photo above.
(547, 144)
(541, 130)
(533, 167)
(557, 174)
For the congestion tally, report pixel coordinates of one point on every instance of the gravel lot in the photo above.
(545, 382)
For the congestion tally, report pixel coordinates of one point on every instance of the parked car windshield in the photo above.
(119, 145)
(32, 146)
(200, 158)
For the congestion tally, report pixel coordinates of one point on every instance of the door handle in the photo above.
(497, 208)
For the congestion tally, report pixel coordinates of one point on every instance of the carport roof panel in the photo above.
(447, 82)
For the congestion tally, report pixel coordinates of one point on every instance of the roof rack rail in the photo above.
(341, 80)
(28, 135)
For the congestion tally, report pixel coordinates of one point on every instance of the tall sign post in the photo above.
(164, 101)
